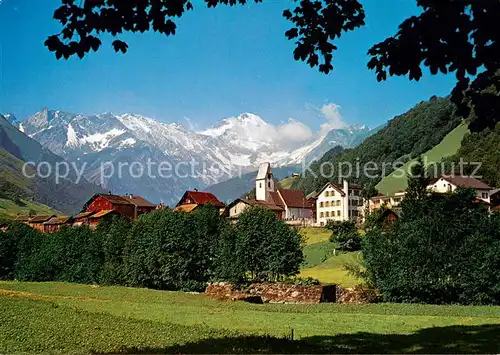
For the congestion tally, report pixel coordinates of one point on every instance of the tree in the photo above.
(450, 36)
(265, 248)
(418, 180)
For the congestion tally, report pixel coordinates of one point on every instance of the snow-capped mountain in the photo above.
(189, 159)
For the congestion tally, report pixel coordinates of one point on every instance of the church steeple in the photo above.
(264, 182)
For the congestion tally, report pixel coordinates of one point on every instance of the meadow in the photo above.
(73, 318)
(323, 261)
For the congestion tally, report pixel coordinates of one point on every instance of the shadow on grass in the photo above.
(439, 340)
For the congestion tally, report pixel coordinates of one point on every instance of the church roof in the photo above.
(264, 168)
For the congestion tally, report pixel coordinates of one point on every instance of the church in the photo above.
(288, 205)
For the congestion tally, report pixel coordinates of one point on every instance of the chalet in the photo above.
(339, 203)
(389, 216)
(288, 205)
(22, 219)
(96, 218)
(239, 205)
(141, 205)
(192, 199)
(82, 218)
(443, 184)
(107, 202)
(55, 223)
(37, 222)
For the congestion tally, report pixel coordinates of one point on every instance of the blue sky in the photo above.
(221, 62)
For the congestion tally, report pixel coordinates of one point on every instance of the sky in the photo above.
(221, 62)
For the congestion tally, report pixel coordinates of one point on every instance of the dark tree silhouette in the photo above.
(450, 36)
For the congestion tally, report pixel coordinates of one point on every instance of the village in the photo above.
(334, 202)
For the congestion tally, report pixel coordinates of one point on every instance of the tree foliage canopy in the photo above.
(448, 36)
(443, 249)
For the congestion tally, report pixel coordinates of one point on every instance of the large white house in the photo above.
(338, 203)
(288, 205)
(441, 184)
(444, 184)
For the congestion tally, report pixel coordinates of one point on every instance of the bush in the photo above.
(345, 234)
(444, 249)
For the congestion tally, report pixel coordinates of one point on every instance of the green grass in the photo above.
(332, 270)
(314, 235)
(447, 147)
(286, 183)
(9, 209)
(69, 318)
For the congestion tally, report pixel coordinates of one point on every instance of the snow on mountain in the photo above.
(236, 145)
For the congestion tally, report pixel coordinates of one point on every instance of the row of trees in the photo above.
(445, 248)
(162, 250)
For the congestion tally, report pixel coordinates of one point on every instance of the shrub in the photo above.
(345, 234)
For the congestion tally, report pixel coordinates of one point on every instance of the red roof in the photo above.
(203, 198)
(463, 181)
(294, 198)
(275, 198)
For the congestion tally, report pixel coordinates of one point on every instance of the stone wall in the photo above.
(273, 293)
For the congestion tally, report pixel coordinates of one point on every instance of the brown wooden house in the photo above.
(96, 218)
(37, 222)
(82, 218)
(129, 206)
(141, 205)
(55, 223)
(198, 198)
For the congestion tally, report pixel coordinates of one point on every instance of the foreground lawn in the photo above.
(69, 318)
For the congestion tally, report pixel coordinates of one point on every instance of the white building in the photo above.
(338, 203)
(288, 205)
(444, 184)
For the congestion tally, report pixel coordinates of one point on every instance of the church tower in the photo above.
(264, 182)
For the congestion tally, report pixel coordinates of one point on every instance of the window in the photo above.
(356, 192)
(338, 213)
(260, 185)
(321, 204)
(327, 204)
(269, 184)
(322, 214)
(484, 195)
(327, 214)
(327, 193)
(338, 202)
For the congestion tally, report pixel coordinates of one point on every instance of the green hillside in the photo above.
(17, 148)
(446, 148)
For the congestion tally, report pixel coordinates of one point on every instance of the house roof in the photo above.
(40, 219)
(274, 198)
(264, 168)
(203, 198)
(257, 203)
(58, 220)
(83, 215)
(294, 198)
(494, 192)
(22, 218)
(463, 181)
(186, 208)
(335, 186)
(138, 201)
(103, 213)
(114, 199)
